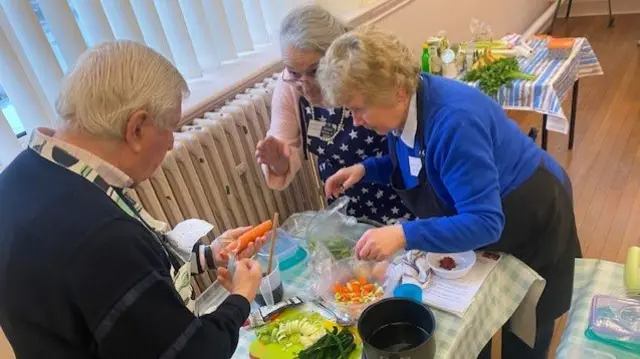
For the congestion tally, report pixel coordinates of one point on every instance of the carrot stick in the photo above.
(251, 235)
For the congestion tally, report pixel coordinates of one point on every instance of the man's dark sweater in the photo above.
(79, 278)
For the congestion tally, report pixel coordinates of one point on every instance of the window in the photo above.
(214, 43)
(6, 107)
(10, 114)
(47, 32)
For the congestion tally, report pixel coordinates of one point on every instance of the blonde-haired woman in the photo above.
(302, 123)
(464, 169)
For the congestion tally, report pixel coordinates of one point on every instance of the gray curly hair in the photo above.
(310, 28)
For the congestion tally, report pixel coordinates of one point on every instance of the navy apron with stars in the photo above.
(539, 225)
(350, 146)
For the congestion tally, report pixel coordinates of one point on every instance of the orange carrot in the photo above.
(253, 234)
(355, 287)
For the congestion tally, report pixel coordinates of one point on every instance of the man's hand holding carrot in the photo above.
(242, 243)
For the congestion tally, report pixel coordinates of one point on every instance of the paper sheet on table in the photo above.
(455, 295)
(451, 295)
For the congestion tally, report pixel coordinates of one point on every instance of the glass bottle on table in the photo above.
(426, 58)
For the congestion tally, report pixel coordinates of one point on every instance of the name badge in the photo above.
(415, 165)
(321, 129)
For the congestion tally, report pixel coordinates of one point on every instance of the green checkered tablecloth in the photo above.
(457, 338)
(592, 277)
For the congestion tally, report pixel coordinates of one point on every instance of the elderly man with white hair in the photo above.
(85, 272)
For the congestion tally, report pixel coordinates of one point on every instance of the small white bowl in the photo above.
(464, 263)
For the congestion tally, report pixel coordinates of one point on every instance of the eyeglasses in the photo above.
(294, 76)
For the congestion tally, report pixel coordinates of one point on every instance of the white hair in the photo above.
(112, 81)
(310, 28)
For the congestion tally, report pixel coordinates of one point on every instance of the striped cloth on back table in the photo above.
(554, 78)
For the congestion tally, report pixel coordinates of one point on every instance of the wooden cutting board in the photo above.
(259, 350)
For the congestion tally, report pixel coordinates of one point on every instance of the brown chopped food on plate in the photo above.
(490, 255)
(447, 263)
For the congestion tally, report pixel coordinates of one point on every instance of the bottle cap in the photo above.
(410, 291)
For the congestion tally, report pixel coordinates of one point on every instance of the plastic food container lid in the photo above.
(287, 250)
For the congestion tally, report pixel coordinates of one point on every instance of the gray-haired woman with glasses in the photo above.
(301, 123)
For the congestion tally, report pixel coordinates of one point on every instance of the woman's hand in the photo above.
(343, 180)
(275, 154)
(380, 243)
(227, 243)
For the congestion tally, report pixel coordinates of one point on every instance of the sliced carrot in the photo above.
(357, 291)
(368, 289)
(356, 287)
(337, 288)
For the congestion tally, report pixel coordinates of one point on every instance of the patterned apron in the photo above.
(349, 146)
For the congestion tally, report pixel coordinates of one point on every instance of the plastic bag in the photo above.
(348, 269)
(480, 31)
(332, 235)
(297, 224)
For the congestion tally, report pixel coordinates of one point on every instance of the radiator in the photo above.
(211, 172)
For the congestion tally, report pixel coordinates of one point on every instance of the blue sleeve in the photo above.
(462, 154)
(378, 170)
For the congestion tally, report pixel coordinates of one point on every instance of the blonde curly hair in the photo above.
(368, 62)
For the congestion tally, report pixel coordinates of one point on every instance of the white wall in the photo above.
(420, 19)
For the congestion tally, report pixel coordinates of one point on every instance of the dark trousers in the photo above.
(514, 348)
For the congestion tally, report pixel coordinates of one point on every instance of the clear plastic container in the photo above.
(286, 245)
(586, 353)
(271, 290)
(295, 266)
(615, 321)
(290, 254)
(350, 268)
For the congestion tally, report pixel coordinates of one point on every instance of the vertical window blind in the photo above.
(41, 39)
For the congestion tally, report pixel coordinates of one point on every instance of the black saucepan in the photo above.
(398, 328)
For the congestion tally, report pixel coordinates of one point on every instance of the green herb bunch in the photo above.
(495, 74)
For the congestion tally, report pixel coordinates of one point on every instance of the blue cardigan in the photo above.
(475, 155)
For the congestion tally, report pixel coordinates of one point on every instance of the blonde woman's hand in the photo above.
(274, 153)
(379, 244)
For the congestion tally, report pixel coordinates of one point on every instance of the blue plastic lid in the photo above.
(409, 291)
(299, 256)
(287, 250)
